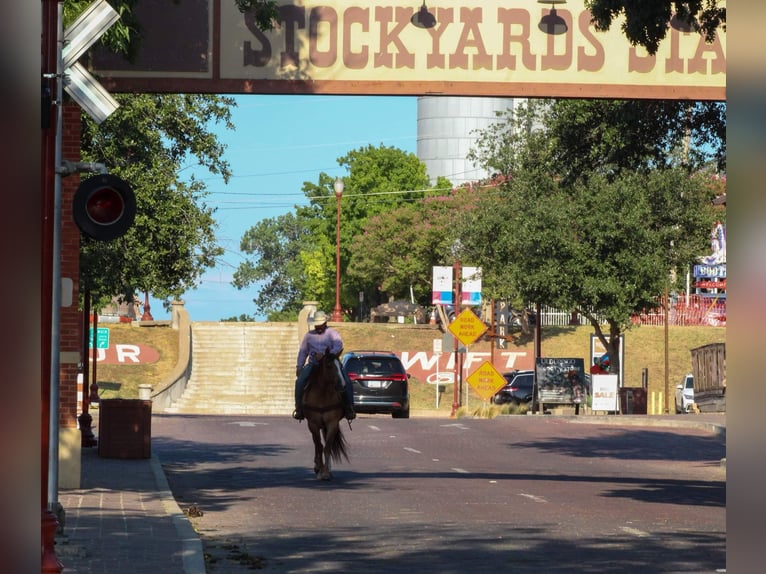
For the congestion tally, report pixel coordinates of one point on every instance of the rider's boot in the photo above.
(348, 409)
(298, 413)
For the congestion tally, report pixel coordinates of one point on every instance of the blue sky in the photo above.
(279, 143)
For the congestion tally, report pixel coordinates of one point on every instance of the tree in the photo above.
(294, 258)
(600, 232)
(172, 242)
(277, 247)
(397, 249)
(646, 22)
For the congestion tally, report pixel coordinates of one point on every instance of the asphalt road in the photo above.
(520, 494)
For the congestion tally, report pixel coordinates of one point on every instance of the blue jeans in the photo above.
(347, 389)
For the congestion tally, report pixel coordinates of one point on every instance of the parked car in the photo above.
(518, 388)
(381, 384)
(685, 394)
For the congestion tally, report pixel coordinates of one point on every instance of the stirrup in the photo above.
(298, 415)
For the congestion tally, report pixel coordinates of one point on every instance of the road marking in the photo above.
(634, 531)
(373, 427)
(412, 450)
(533, 497)
(460, 470)
(461, 426)
(247, 424)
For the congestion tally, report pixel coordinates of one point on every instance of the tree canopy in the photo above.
(147, 143)
(646, 22)
(593, 216)
(292, 257)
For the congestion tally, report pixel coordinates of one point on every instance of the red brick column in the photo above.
(71, 317)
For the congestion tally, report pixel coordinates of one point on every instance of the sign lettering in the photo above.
(353, 47)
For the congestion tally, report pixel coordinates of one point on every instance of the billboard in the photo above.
(477, 48)
(561, 381)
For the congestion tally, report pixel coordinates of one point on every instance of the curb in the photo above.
(191, 545)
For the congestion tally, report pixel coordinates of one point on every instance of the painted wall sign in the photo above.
(486, 47)
(125, 354)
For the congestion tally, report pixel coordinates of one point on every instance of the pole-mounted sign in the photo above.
(79, 84)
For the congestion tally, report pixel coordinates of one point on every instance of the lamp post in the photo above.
(336, 312)
(147, 316)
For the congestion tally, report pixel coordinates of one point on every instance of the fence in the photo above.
(690, 311)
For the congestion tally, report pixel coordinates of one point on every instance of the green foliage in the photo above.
(147, 141)
(597, 214)
(292, 258)
(646, 22)
(397, 249)
(241, 319)
(265, 12)
(123, 37)
(275, 246)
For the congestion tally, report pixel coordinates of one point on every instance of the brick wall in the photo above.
(71, 319)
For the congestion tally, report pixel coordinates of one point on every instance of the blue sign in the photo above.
(102, 338)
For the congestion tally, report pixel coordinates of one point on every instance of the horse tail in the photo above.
(338, 448)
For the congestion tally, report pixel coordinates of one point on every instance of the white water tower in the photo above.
(446, 133)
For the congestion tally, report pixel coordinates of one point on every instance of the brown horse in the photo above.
(323, 409)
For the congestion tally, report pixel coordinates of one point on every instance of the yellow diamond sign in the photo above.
(467, 327)
(486, 380)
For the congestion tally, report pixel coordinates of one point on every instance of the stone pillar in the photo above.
(175, 310)
(309, 308)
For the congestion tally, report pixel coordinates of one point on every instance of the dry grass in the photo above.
(644, 348)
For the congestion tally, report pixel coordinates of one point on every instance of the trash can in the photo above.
(125, 428)
(633, 401)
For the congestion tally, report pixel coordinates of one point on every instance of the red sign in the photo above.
(125, 354)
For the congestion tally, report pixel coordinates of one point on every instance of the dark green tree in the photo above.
(602, 232)
(293, 259)
(646, 22)
(147, 142)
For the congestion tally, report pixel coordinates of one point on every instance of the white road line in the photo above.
(247, 424)
(408, 449)
(460, 470)
(634, 531)
(533, 497)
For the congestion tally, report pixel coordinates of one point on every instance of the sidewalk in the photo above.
(124, 520)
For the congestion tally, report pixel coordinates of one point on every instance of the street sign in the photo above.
(102, 338)
(79, 84)
(486, 380)
(470, 292)
(467, 327)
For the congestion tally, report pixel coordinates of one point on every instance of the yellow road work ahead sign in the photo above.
(467, 327)
(486, 380)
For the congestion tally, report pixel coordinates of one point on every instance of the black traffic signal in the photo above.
(104, 207)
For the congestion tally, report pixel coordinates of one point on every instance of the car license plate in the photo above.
(374, 384)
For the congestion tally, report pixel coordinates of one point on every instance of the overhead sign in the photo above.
(476, 48)
(467, 327)
(84, 89)
(486, 380)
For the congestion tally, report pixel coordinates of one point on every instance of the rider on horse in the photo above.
(314, 345)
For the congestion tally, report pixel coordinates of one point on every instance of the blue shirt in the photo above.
(315, 344)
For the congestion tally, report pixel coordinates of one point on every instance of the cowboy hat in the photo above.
(319, 318)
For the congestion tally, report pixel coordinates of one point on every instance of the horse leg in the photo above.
(318, 449)
(325, 473)
(329, 438)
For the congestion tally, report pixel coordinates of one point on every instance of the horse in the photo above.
(323, 409)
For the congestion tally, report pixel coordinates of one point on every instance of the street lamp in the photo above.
(336, 312)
